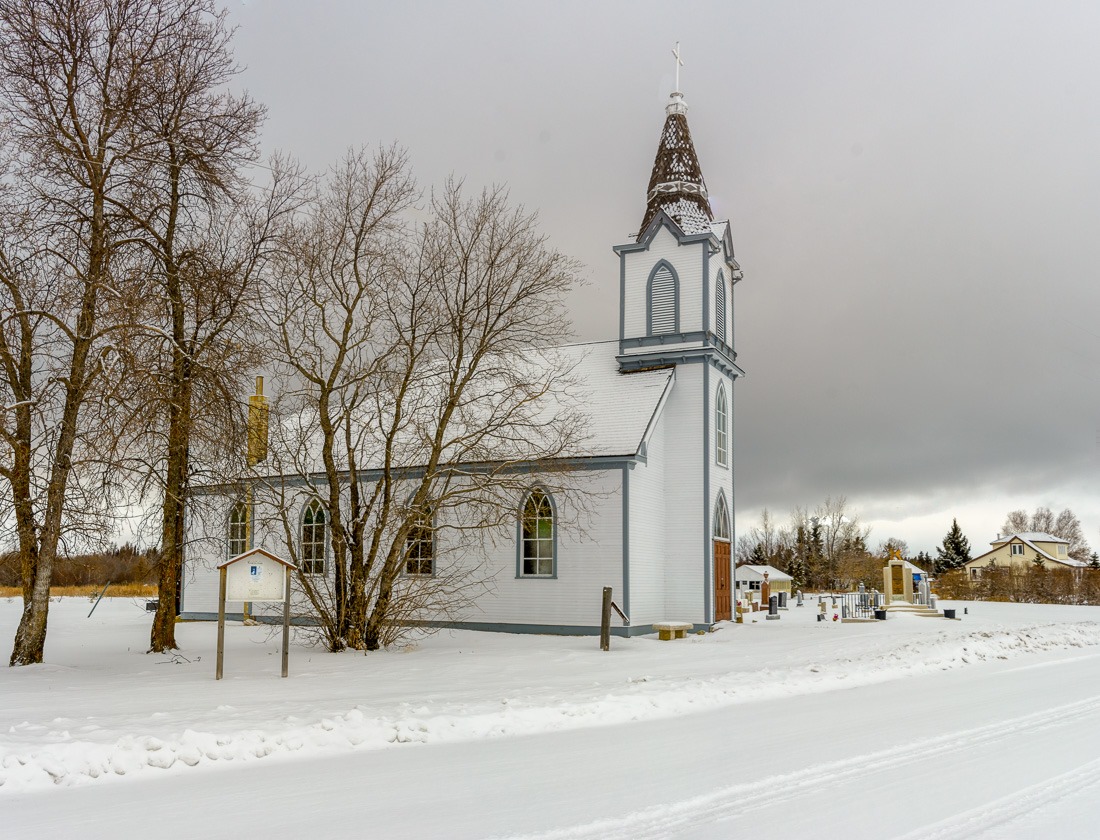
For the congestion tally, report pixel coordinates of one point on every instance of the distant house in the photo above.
(1021, 550)
(748, 582)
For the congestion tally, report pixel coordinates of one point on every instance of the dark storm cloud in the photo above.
(914, 191)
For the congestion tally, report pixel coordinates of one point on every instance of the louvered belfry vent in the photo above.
(676, 185)
(662, 301)
(720, 308)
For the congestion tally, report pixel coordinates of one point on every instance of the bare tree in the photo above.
(1068, 527)
(842, 536)
(331, 354)
(412, 388)
(893, 544)
(1017, 522)
(72, 77)
(826, 548)
(1042, 521)
(121, 109)
(203, 242)
(1065, 525)
(187, 419)
(765, 540)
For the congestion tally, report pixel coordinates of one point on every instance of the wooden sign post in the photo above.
(605, 619)
(254, 576)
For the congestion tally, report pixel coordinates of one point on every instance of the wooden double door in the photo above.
(723, 583)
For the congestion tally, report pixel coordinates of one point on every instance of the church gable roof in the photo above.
(620, 406)
(616, 411)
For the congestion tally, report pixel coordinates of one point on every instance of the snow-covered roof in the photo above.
(913, 567)
(610, 411)
(619, 406)
(756, 572)
(689, 216)
(1029, 536)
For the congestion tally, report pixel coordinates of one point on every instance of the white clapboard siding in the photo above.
(685, 539)
(648, 552)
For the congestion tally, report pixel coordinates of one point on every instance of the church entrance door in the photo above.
(723, 591)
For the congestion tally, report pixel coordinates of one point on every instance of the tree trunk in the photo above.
(381, 611)
(30, 636)
(163, 634)
(357, 606)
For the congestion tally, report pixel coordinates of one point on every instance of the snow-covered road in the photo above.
(1001, 748)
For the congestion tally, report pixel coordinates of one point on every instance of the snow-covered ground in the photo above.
(989, 726)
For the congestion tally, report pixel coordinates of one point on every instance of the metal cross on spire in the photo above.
(679, 64)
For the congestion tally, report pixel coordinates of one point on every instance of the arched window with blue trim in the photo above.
(237, 531)
(721, 518)
(420, 546)
(314, 524)
(720, 308)
(537, 536)
(663, 300)
(721, 427)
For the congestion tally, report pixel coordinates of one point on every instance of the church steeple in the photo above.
(676, 278)
(676, 185)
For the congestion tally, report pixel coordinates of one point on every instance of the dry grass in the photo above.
(120, 590)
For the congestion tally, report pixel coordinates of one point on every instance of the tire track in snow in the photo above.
(1001, 813)
(659, 821)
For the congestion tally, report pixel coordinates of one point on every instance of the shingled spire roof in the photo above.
(676, 185)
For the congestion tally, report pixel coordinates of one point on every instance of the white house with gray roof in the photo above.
(656, 520)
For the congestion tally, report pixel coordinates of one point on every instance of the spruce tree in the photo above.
(924, 560)
(955, 550)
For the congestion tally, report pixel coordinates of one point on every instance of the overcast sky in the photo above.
(914, 190)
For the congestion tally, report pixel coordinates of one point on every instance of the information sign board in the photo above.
(255, 578)
(256, 575)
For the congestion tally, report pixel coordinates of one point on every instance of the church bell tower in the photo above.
(677, 278)
(676, 283)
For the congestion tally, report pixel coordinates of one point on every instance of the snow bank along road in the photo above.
(987, 727)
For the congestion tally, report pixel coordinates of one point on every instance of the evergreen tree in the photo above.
(925, 561)
(758, 556)
(955, 550)
(1094, 561)
(797, 570)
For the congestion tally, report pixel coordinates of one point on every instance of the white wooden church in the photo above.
(659, 456)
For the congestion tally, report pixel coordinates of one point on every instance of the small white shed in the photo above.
(749, 582)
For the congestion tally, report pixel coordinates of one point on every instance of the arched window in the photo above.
(663, 300)
(313, 539)
(420, 547)
(721, 519)
(720, 308)
(537, 536)
(237, 542)
(721, 427)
